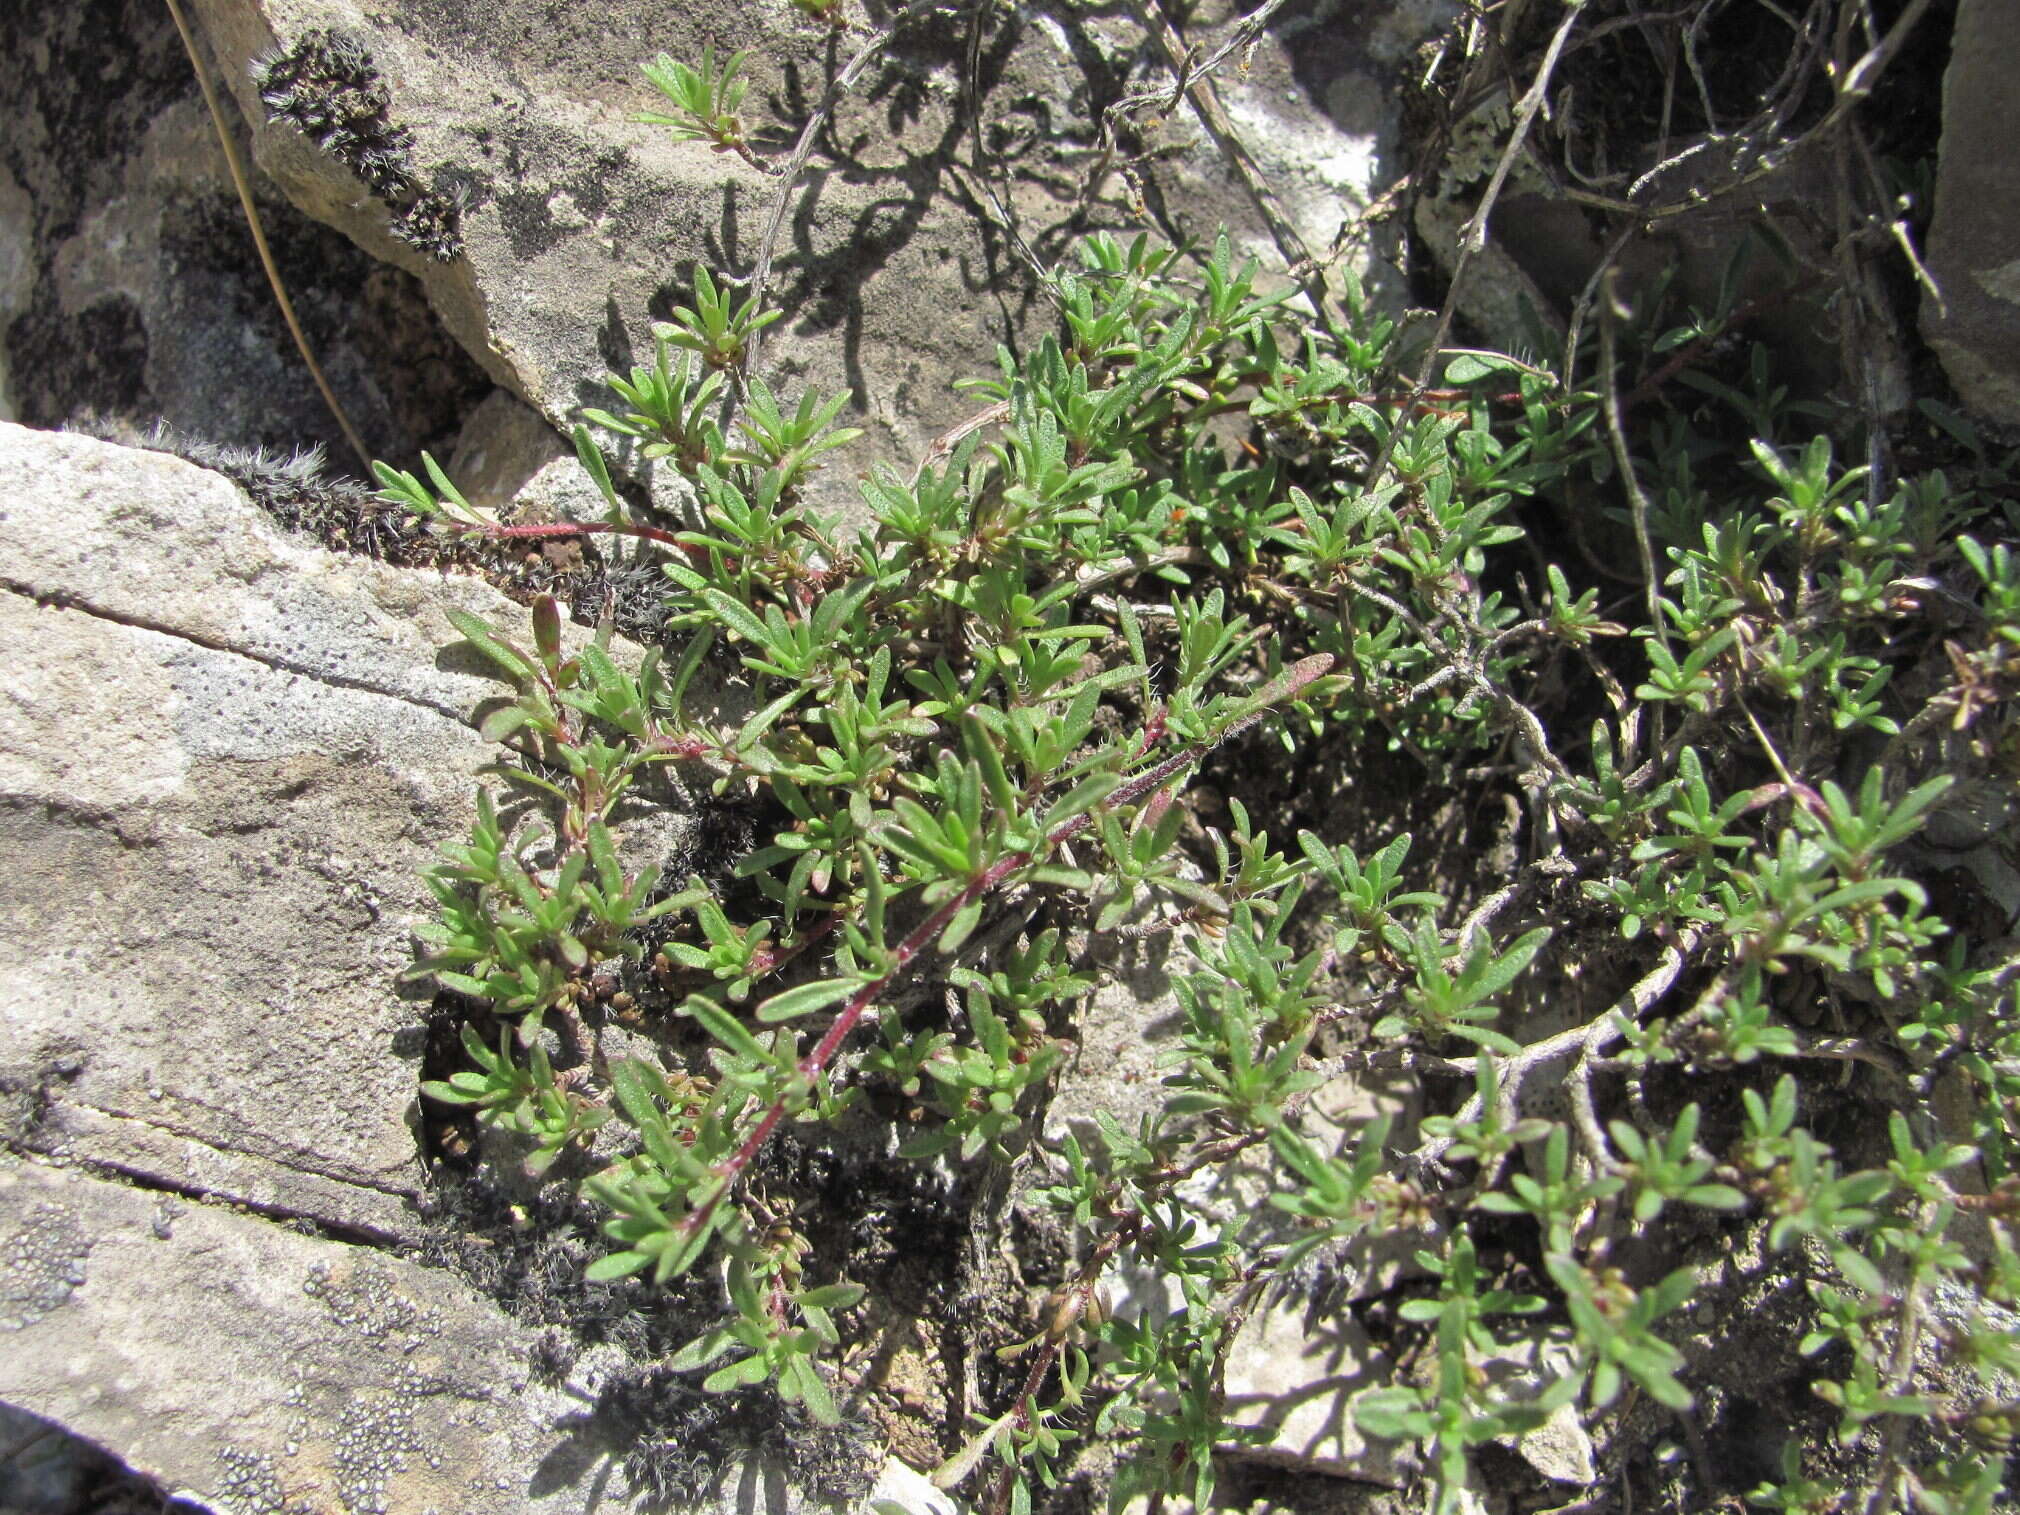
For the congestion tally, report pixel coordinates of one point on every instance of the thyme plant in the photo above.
(1192, 518)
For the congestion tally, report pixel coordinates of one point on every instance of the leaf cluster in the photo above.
(968, 718)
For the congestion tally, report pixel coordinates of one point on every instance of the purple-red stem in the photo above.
(1289, 682)
(542, 532)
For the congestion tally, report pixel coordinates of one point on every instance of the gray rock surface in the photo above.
(255, 1370)
(1523, 1366)
(572, 221)
(129, 289)
(46, 1470)
(262, 1370)
(129, 285)
(1298, 1378)
(250, 1369)
(1974, 240)
(224, 757)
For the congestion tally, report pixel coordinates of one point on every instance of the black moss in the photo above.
(683, 1440)
(326, 85)
(294, 491)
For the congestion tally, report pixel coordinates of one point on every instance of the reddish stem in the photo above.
(545, 532)
(1691, 351)
(1289, 682)
(767, 961)
(1048, 1353)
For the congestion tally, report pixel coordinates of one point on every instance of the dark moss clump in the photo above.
(295, 491)
(325, 85)
(682, 1440)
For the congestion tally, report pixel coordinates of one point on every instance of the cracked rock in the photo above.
(224, 759)
(265, 1372)
(130, 290)
(254, 1370)
(574, 224)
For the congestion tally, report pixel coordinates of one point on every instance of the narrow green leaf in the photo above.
(592, 460)
(961, 926)
(725, 1028)
(478, 634)
(805, 1000)
(745, 1372)
(831, 1297)
(502, 722)
(615, 1265)
(738, 618)
(1080, 799)
(1468, 367)
(804, 1384)
(702, 1351)
(547, 629)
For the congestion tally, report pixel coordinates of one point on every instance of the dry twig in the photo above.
(243, 184)
(796, 161)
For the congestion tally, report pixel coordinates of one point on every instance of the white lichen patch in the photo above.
(42, 1256)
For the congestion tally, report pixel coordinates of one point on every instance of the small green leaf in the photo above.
(737, 618)
(1080, 799)
(958, 929)
(591, 458)
(615, 1265)
(799, 1380)
(547, 629)
(805, 1000)
(702, 1351)
(1394, 1414)
(831, 1297)
(1468, 367)
(478, 634)
(502, 722)
(725, 1028)
(745, 1372)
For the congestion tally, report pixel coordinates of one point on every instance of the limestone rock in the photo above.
(45, 1470)
(130, 289)
(556, 227)
(1974, 243)
(572, 221)
(250, 1369)
(262, 1370)
(1127, 1026)
(1298, 1379)
(224, 759)
(1523, 1368)
(508, 459)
